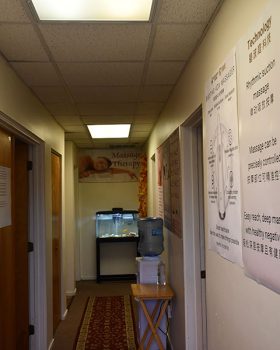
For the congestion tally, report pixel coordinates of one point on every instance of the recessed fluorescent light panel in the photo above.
(93, 10)
(115, 131)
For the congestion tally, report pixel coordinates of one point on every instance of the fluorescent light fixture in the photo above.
(93, 10)
(114, 131)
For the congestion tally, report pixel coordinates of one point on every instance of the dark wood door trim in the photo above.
(56, 236)
(21, 242)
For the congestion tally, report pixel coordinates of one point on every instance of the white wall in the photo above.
(240, 313)
(95, 197)
(20, 105)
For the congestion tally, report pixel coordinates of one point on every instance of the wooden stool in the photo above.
(162, 295)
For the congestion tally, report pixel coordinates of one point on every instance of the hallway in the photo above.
(198, 84)
(67, 330)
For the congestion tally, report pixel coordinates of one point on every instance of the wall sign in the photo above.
(175, 183)
(223, 167)
(5, 197)
(169, 183)
(259, 103)
(159, 179)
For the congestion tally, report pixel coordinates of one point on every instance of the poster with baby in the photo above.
(106, 165)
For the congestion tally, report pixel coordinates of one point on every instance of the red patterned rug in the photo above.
(107, 324)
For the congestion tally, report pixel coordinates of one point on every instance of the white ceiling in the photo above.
(103, 72)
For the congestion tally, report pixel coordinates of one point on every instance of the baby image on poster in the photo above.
(95, 167)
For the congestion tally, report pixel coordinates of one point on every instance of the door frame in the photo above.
(37, 259)
(60, 265)
(194, 307)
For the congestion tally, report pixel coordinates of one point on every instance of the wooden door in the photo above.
(14, 300)
(56, 237)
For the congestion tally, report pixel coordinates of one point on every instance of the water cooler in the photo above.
(150, 246)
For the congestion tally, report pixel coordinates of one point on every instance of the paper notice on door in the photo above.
(5, 197)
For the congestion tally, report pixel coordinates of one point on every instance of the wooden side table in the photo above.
(162, 295)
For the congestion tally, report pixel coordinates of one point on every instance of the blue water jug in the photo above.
(150, 232)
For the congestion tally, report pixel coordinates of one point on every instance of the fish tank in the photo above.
(116, 223)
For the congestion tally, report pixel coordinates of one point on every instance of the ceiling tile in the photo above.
(77, 135)
(105, 109)
(117, 141)
(140, 134)
(149, 108)
(107, 119)
(93, 42)
(182, 11)
(58, 109)
(146, 119)
(12, 10)
(105, 73)
(69, 120)
(74, 128)
(37, 73)
(142, 127)
(84, 141)
(181, 39)
(101, 94)
(84, 144)
(51, 94)
(172, 71)
(139, 140)
(155, 93)
(18, 42)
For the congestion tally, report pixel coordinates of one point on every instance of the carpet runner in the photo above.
(107, 325)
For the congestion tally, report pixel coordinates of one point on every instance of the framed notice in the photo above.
(223, 163)
(167, 209)
(159, 179)
(5, 197)
(259, 105)
(169, 183)
(175, 182)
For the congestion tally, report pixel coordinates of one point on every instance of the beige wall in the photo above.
(19, 104)
(240, 313)
(70, 222)
(95, 197)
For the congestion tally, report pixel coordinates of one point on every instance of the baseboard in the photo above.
(88, 278)
(64, 315)
(71, 293)
(51, 344)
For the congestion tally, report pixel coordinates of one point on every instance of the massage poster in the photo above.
(159, 179)
(259, 108)
(105, 165)
(166, 184)
(223, 162)
(169, 183)
(175, 183)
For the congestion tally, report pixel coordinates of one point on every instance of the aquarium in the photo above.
(116, 223)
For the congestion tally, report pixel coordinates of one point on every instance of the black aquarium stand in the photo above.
(117, 240)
